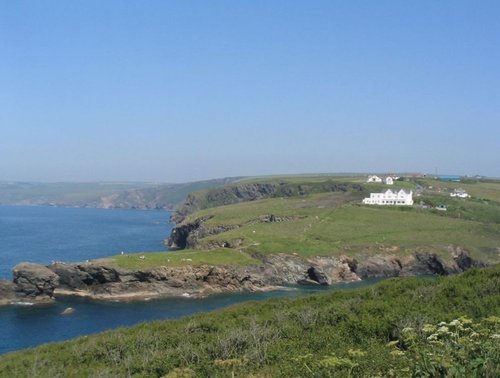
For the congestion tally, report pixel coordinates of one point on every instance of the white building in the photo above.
(374, 178)
(389, 180)
(390, 197)
(460, 193)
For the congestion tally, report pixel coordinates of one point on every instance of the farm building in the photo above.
(459, 193)
(390, 197)
(374, 178)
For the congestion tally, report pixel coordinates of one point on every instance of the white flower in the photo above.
(443, 329)
(432, 337)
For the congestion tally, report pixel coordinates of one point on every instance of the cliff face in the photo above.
(37, 284)
(254, 191)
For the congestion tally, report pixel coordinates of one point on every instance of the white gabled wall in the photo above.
(390, 197)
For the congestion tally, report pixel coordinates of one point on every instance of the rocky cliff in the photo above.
(33, 283)
(228, 195)
(36, 283)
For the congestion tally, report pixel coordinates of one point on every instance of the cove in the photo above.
(29, 326)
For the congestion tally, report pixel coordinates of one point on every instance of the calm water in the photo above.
(43, 234)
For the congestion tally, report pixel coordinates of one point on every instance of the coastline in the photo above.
(103, 281)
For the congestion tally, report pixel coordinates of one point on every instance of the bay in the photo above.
(43, 234)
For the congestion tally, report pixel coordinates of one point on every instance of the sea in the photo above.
(46, 234)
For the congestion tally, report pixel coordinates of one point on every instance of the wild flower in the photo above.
(455, 323)
(356, 353)
(334, 361)
(428, 328)
(465, 320)
(397, 352)
(432, 337)
(443, 329)
(407, 330)
(493, 319)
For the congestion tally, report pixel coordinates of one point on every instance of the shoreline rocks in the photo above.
(34, 283)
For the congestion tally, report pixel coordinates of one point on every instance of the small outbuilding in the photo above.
(374, 178)
(460, 193)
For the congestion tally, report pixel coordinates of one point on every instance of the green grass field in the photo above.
(185, 257)
(331, 224)
(334, 223)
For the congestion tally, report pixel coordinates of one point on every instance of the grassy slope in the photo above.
(185, 257)
(335, 224)
(329, 223)
(341, 333)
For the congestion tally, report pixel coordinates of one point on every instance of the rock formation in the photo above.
(37, 283)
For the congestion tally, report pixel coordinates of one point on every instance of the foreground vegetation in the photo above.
(447, 326)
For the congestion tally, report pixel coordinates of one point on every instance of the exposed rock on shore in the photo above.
(33, 283)
(37, 283)
(8, 293)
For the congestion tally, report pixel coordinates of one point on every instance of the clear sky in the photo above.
(185, 90)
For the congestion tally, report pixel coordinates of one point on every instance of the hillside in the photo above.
(323, 216)
(401, 327)
(102, 195)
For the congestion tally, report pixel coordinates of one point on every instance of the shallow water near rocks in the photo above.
(41, 234)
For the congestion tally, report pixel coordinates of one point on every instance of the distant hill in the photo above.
(103, 194)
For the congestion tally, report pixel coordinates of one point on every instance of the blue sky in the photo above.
(186, 90)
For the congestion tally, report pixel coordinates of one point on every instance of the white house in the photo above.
(390, 197)
(389, 180)
(460, 193)
(374, 178)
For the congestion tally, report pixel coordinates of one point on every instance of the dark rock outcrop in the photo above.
(379, 266)
(35, 282)
(186, 235)
(8, 293)
(104, 282)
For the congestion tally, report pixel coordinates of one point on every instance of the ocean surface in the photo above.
(43, 234)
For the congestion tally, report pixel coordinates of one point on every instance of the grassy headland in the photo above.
(390, 329)
(310, 219)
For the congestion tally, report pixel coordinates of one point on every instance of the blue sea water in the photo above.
(42, 234)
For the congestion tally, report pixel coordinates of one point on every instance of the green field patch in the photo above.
(223, 257)
(339, 230)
